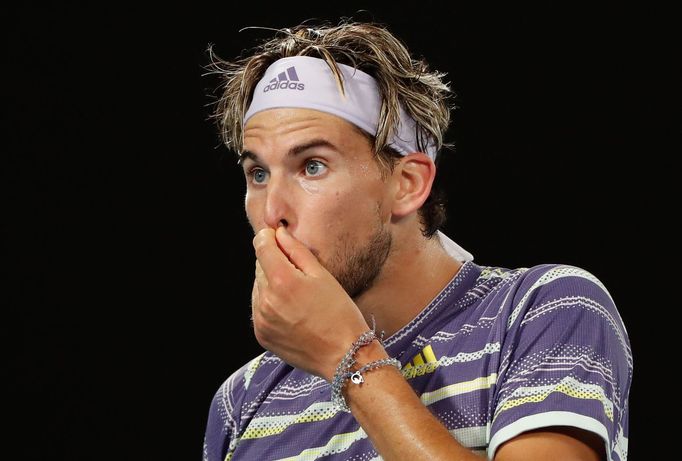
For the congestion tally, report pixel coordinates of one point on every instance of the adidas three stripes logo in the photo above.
(287, 80)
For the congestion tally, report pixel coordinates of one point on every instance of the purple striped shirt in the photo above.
(498, 352)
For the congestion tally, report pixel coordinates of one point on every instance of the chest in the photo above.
(296, 419)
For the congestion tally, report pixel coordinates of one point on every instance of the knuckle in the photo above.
(278, 282)
(266, 305)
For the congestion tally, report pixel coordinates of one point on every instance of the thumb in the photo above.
(299, 255)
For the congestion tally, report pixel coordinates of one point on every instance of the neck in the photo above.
(414, 273)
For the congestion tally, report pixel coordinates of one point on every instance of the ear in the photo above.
(413, 177)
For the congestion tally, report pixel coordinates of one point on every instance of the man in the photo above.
(337, 129)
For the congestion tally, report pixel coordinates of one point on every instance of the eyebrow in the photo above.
(293, 151)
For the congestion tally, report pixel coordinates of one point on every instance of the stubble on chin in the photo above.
(356, 267)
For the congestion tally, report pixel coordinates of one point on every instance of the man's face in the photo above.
(316, 174)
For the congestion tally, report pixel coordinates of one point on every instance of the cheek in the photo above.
(254, 211)
(320, 214)
(348, 212)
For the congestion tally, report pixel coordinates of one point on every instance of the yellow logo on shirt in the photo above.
(422, 363)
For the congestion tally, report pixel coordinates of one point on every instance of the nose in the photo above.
(278, 210)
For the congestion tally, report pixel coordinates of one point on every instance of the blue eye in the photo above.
(314, 168)
(259, 175)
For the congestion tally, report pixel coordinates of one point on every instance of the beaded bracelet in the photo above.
(357, 378)
(343, 372)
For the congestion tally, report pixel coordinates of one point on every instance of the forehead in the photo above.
(286, 126)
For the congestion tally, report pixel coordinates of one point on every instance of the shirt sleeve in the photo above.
(566, 360)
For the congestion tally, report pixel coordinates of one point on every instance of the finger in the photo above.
(269, 255)
(297, 252)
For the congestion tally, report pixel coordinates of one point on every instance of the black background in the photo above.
(127, 254)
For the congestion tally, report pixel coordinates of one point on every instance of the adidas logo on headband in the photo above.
(285, 80)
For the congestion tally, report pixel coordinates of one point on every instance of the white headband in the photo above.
(307, 82)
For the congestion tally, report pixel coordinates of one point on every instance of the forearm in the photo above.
(396, 421)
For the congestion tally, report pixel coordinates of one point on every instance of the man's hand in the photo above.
(300, 312)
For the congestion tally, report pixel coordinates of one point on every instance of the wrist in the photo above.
(340, 356)
(373, 363)
(366, 353)
(371, 352)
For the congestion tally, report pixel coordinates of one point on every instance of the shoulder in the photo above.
(509, 293)
(563, 303)
(562, 290)
(238, 385)
(232, 391)
(564, 276)
(554, 277)
(504, 302)
(235, 401)
(236, 391)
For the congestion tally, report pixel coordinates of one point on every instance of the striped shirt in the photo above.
(498, 352)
